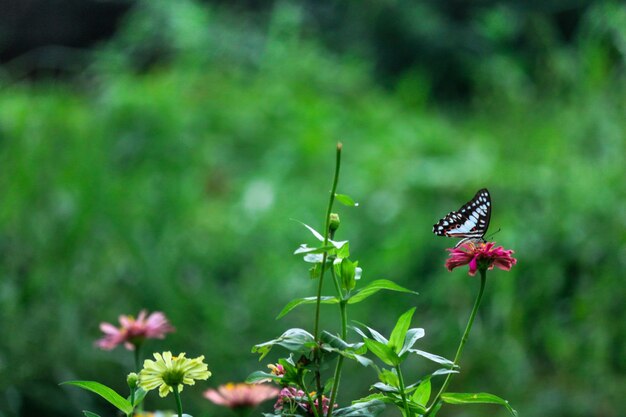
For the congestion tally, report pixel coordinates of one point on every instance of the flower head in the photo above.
(133, 331)
(480, 256)
(294, 401)
(169, 372)
(241, 395)
(277, 369)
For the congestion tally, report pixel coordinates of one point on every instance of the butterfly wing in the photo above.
(470, 221)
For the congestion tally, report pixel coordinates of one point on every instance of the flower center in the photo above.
(173, 377)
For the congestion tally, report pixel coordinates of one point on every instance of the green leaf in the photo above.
(90, 414)
(389, 378)
(344, 251)
(412, 336)
(370, 408)
(374, 287)
(346, 271)
(105, 392)
(140, 394)
(304, 248)
(332, 343)
(296, 340)
(422, 393)
(436, 409)
(317, 234)
(398, 334)
(306, 300)
(431, 356)
(380, 386)
(377, 336)
(346, 200)
(259, 376)
(477, 398)
(382, 351)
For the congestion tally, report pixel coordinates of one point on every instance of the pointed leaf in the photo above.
(412, 336)
(374, 287)
(105, 392)
(140, 394)
(377, 336)
(389, 377)
(398, 334)
(431, 356)
(382, 351)
(304, 248)
(258, 376)
(90, 414)
(436, 409)
(380, 386)
(477, 398)
(306, 300)
(296, 340)
(317, 234)
(332, 343)
(370, 408)
(422, 393)
(346, 200)
(344, 251)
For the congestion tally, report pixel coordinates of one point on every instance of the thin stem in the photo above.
(132, 399)
(331, 200)
(402, 393)
(468, 328)
(179, 404)
(337, 376)
(308, 397)
(137, 357)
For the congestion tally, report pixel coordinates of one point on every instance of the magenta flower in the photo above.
(134, 331)
(292, 401)
(241, 395)
(277, 369)
(480, 256)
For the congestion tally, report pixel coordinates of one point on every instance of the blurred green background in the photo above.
(159, 165)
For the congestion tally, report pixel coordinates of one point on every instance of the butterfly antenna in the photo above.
(494, 233)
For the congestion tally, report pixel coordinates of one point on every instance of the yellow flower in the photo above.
(169, 372)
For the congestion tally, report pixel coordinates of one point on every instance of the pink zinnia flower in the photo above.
(292, 400)
(134, 331)
(277, 369)
(480, 256)
(241, 395)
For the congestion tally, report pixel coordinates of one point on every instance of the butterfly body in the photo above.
(470, 222)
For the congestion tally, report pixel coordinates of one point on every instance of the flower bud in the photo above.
(132, 380)
(333, 222)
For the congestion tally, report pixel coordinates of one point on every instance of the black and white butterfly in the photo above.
(470, 222)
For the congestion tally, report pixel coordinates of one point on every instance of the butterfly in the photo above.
(470, 222)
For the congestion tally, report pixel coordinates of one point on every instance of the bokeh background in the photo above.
(153, 154)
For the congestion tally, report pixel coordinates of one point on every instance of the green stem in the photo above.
(132, 399)
(402, 393)
(337, 376)
(468, 328)
(331, 200)
(137, 357)
(326, 231)
(308, 397)
(179, 404)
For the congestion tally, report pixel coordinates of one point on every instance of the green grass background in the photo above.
(174, 188)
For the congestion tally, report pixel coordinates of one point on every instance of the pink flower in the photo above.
(480, 256)
(292, 401)
(277, 369)
(134, 331)
(240, 395)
